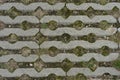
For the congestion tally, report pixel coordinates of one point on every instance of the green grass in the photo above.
(103, 2)
(116, 64)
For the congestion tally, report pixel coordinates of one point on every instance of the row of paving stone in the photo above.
(59, 72)
(83, 31)
(82, 43)
(73, 58)
(98, 72)
(32, 72)
(84, 19)
(59, 19)
(19, 32)
(58, 6)
(59, 44)
(58, 31)
(60, 57)
(70, 19)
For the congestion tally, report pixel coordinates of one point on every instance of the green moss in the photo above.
(78, 2)
(92, 64)
(42, 51)
(115, 12)
(27, 1)
(68, 1)
(2, 65)
(13, 12)
(25, 77)
(25, 25)
(79, 51)
(116, 64)
(51, 1)
(52, 25)
(90, 12)
(103, 2)
(44, 25)
(81, 64)
(11, 65)
(104, 25)
(52, 77)
(12, 38)
(65, 38)
(38, 65)
(78, 25)
(26, 51)
(52, 51)
(115, 37)
(66, 65)
(105, 50)
(82, 12)
(91, 38)
(81, 77)
(84, 38)
(39, 38)
(115, 9)
(65, 12)
(3, 52)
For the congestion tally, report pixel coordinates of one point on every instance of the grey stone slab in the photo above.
(73, 58)
(74, 32)
(75, 43)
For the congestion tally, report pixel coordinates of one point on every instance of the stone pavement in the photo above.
(59, 40)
